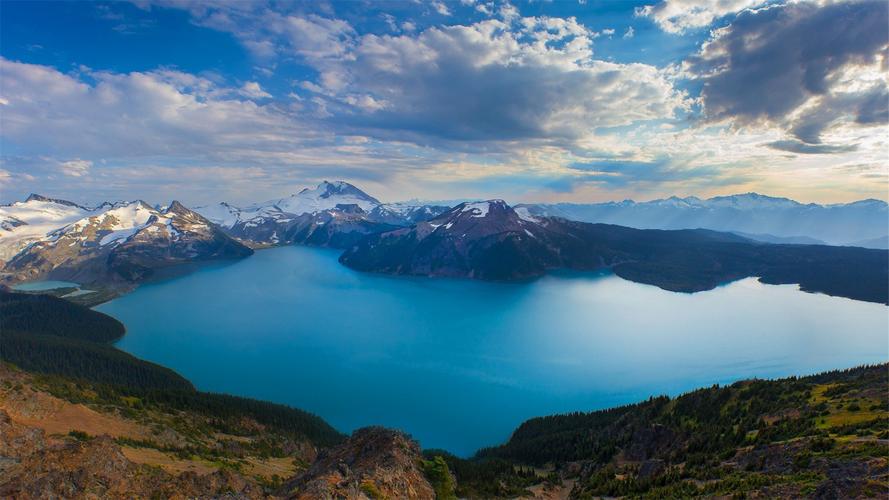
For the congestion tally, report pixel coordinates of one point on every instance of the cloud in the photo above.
(795, 146)
(678, 16)
(506, 79)
(441, 8)
(661, 170)
(76, 168)
(254, 91)
(494, 81)
(476, 105)
(164, 113)
(802, 67)
(630, 32)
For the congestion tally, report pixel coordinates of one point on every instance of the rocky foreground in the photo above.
(825, 436)
(53, 448)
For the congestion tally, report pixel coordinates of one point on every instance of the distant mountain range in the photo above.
(861, 223)
(490, 240)
(120, 244)
(334, 214)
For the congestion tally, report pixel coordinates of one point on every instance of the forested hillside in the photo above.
(55, 337)
(824, 434)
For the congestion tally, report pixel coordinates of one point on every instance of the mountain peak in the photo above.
(327, 189)
(38, 197)
(483, 208)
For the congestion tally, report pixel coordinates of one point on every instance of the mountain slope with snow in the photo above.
(332, 214)
(752, 213)
(24, 222)
(121, 242)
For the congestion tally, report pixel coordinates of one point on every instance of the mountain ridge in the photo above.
(496, 242)
(752, 213)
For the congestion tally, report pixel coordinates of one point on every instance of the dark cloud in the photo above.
(795, 146)
(770, 62)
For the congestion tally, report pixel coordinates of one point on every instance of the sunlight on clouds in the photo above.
(500, 104)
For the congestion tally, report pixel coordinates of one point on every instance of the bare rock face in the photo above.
(373, 463)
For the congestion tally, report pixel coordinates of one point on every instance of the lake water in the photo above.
(459, 363)
(39, 286)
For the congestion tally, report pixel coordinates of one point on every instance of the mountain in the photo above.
(485, 240)
(334, 214)
(785, 240)
(881, 243)
(112, 244)
(405, 214)
(489, 240)
(752, 213)
(24, 222)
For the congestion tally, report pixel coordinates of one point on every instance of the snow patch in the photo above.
(524, 214)
(478, 209)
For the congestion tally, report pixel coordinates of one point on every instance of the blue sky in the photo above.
(545, 101)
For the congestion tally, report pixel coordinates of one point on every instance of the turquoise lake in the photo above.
(459, 364)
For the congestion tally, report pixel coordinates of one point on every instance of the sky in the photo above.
(544, 101)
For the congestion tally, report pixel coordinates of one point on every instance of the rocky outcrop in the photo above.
(31, 466)
(374, 463)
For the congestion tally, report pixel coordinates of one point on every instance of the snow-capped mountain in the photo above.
(331, 214)
(750, 213)
(325, 196)
(24, 222)
(121, 241)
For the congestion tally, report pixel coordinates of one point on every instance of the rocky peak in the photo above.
(373, 463)
(349, 208)
(480, 218)
(178, 209)
(37, 197)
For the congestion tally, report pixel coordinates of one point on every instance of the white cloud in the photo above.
(630, 32)
(76, 168)
(163, 112)
(678, 16)
(441, 8)
(254, 91)
(490, 81)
